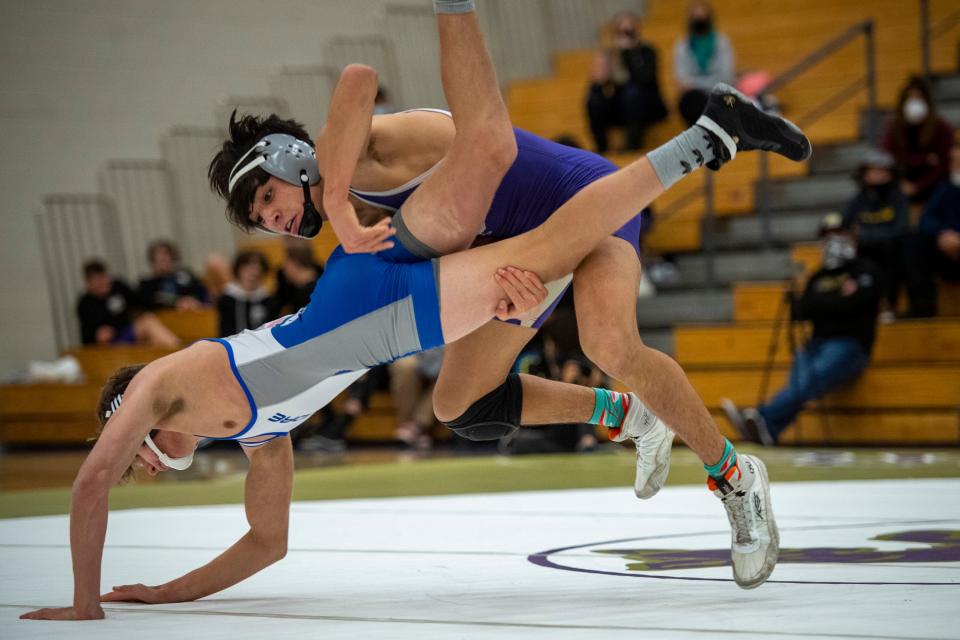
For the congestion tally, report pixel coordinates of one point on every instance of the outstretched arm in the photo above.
(143, 406)
(346, 134)
(267, 503)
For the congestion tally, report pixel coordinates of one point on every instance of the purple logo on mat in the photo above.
(939, 545)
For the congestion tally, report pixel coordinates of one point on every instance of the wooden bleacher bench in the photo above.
(776, 36)
(933, 427)
(190, 326)
(755, 301)
(933, 341)
(99, 363)
(47, 413)
(910, 394)
(64, 413)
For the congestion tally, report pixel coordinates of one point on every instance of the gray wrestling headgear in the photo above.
(292, 160)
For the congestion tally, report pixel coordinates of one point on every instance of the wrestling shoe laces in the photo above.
(734, 123)
(755, 540)
(653, 440)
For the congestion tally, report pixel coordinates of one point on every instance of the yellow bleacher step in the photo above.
(754, 301)
(814, 427)
(190, 326)
(880, 387)
(99, 363)
(916, 341)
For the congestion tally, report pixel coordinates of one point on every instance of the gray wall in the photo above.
(85, 83)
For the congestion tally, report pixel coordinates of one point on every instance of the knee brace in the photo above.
(495, 415)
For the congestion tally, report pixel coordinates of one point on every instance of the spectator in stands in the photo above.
(624, 89)
(881, 217)
(700, 60)
(110, 313)
(919, 141)
(841, 300)
(411, 384)
(245, 302)
(170, 286)
(936, 245)
(296, 278)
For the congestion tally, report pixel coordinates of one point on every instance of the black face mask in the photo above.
(700, 26)
(878, 191)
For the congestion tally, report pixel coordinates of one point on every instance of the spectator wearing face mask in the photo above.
(841, 300)
(625, 89)
(881, 216)
(919, 141)
(700, 60)
(936, 245)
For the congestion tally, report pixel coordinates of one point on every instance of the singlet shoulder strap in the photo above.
(430, 109)
(407, 186)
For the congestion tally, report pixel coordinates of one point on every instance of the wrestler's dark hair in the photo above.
(117, 383)
(244, 133)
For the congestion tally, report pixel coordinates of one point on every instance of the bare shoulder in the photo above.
(198, 386)
(398, 137)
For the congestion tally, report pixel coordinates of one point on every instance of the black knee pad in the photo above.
(493, 416)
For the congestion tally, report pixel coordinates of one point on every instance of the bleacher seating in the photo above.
(774, 37)
(910, 395)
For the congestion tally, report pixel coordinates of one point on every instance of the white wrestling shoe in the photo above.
(654, 442)
(755, 539)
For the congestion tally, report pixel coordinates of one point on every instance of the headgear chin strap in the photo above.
(178, 464)
(292, 160)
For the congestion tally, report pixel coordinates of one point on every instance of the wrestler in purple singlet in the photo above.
(543, 177)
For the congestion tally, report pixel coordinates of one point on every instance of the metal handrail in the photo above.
(868, 82)
(929, 32)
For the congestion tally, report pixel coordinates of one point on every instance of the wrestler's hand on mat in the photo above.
(356, 238)
(63, 613)
(137, 593)
(524, 292)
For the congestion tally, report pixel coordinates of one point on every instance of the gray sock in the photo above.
(684, 154)
(453, 6)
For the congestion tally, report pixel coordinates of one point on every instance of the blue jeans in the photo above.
(820, 367)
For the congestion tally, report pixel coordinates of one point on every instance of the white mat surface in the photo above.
(464, 567)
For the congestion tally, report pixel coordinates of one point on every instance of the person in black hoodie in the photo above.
(170, 286)
(935, 247)
(880, 215)
(111, 313)
(841, 299)
(245, 303)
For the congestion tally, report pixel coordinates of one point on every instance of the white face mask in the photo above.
(177, 464)
(915, 110)
(955, 178)
(837, 251)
